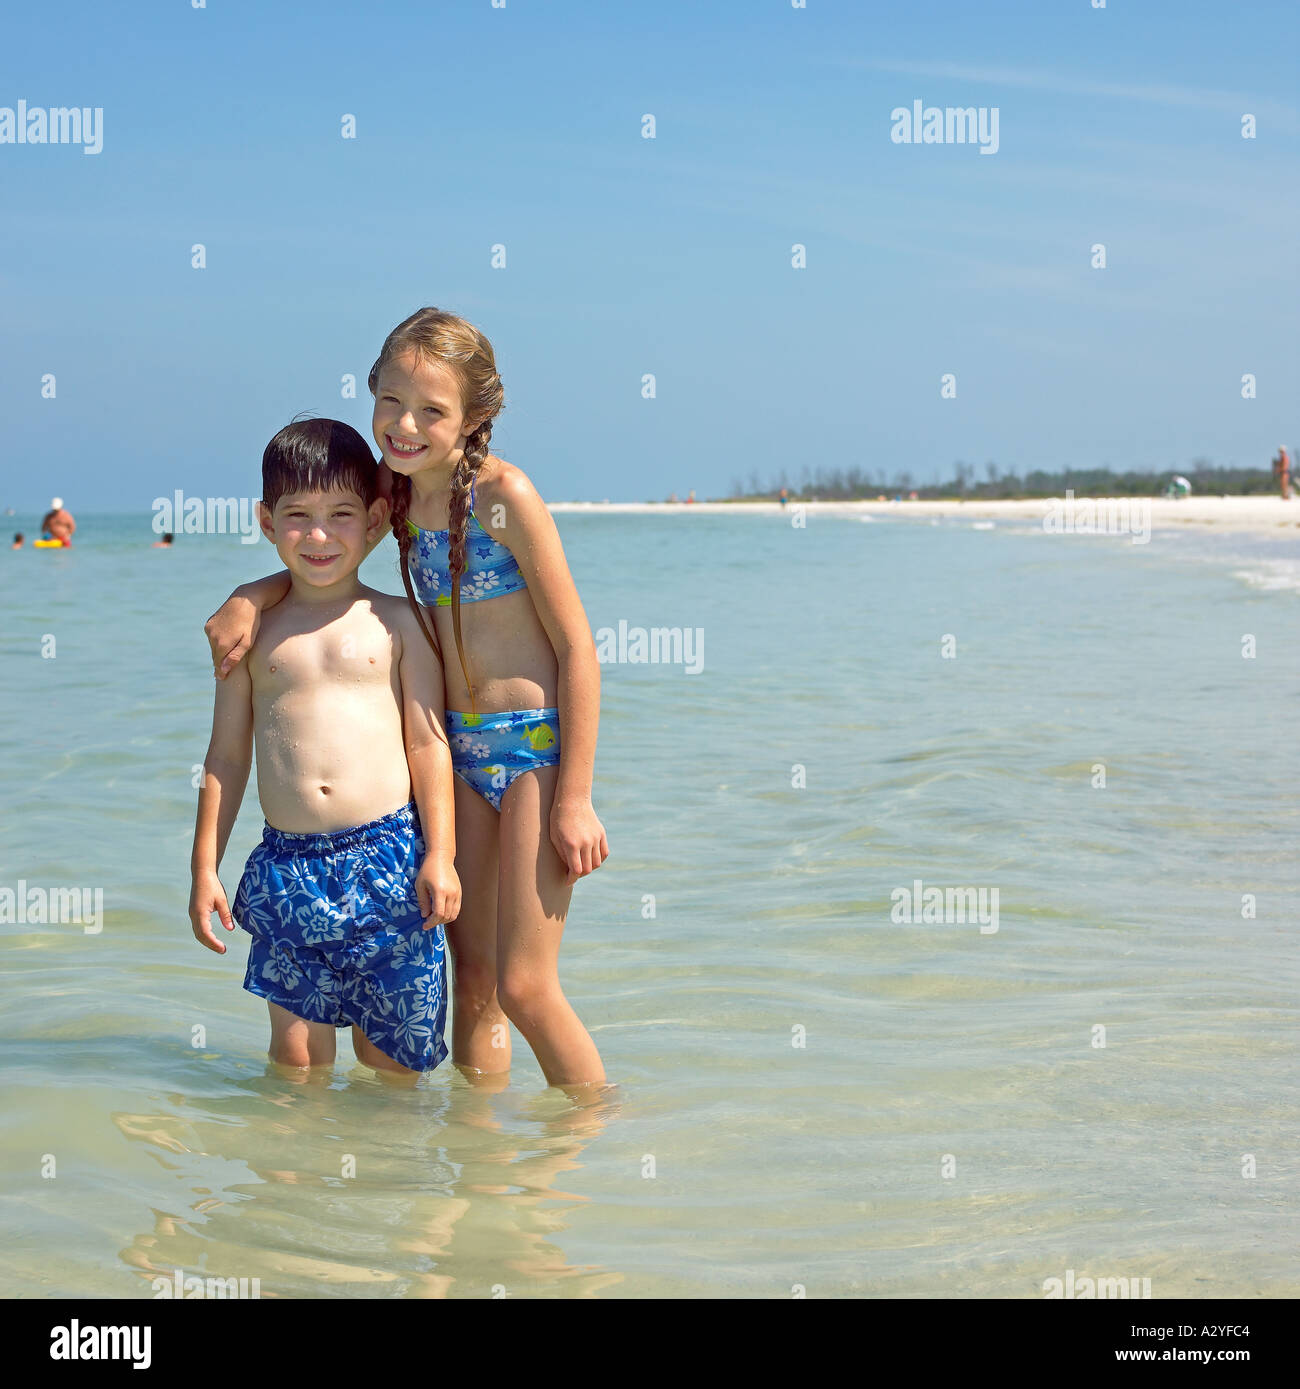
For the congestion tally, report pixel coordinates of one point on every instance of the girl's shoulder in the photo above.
(501, 484)
(499, 481)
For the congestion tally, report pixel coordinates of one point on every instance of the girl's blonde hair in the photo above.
(438, 336)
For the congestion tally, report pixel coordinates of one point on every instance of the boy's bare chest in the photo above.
(359, 653)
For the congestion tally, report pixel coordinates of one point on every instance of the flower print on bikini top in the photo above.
(490, 569)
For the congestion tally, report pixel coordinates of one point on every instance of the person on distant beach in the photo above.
(57, 524)
(165, 543)
(783, 497)
(1282, 471)
(1179, 487)
(523, 695)
(347, 892)
(18, 541)
(690, 496)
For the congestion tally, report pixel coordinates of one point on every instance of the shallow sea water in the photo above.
(808, 1092)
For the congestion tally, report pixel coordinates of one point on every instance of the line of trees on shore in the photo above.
(858, 484)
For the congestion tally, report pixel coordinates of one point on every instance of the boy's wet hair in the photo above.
(318, 456)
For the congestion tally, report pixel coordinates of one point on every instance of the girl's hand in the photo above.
(578, 837)
(438, 889)
(208, 896)
(231, 631)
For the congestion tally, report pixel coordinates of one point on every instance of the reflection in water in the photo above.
(359, 1189)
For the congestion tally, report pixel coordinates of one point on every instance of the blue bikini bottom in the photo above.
(488, 751)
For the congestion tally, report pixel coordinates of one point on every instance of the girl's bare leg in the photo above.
(532, 903)
(480, 1033)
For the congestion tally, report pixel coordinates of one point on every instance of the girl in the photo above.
(477, 542)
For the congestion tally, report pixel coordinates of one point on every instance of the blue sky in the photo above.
(670, 256)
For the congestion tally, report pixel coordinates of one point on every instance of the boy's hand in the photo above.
(438, 889)
(230, 631)
(578, 837)
(208, 896)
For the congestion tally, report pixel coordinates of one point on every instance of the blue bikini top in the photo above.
(490, 569)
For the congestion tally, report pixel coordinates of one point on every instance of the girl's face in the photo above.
(418, 422)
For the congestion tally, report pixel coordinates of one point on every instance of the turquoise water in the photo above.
(732, 1162)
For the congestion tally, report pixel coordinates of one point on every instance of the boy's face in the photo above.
(417, 420)
(322, 537)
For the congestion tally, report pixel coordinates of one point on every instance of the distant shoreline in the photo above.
(1262, 514)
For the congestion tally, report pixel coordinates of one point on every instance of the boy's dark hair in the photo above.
(318, 456)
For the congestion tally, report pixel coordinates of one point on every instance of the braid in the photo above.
(402, 533)
(462, 479)
(434, 335)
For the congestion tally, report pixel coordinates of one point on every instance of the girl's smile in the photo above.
(402, 448)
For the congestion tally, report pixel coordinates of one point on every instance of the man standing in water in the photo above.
(1282, 471)
(57, 524)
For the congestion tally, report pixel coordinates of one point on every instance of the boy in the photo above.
(343, 694)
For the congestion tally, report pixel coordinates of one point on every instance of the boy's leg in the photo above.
(297, 1042)
(370, 1055)
(533, 902)
(480, 1034)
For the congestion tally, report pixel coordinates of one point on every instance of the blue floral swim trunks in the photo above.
(338, 936)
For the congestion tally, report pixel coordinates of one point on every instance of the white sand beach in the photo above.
(1265, 514)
